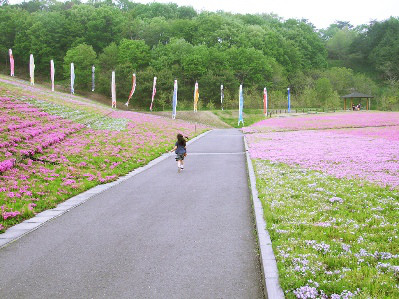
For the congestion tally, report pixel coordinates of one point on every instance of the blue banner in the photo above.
(72, 78)
(174, 102)
(289, 100)
(241, 107)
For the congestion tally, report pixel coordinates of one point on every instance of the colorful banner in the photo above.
(265, 101)
(221, 95)
(32, 70)
(154, 91)
(113, 90)
(52, 73)
(93, 81)
(289, 100)
(72, 78)
(241, 107)
(133, 89)
(11, 62)
(196, 97)
(174, 101)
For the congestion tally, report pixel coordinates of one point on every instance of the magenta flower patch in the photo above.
(370, 153)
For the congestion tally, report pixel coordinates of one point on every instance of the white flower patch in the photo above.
(346, 248)
(336, 199)
(91, 120)
(321, 247)
(306, 292)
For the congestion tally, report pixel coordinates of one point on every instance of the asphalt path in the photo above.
(159, 234)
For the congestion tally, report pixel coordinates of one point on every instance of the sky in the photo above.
(320, 13)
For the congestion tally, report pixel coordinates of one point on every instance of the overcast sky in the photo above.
(320, 13)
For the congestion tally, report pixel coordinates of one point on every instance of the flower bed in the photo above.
(326, 121)
(330, 190)
(332, 238)
(46, 158)
(357, 153)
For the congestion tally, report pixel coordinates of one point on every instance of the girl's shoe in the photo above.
(181, 168)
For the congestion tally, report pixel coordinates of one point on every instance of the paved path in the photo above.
(160, 234)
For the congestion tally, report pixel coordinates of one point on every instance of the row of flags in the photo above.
(113, 88)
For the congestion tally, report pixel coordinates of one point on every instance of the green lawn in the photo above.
(230, 117)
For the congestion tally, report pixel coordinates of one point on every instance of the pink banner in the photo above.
(154, 91)
(133, 89)
(265, 101)
(11, 62)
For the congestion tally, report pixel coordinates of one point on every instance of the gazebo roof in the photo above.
(356, 94)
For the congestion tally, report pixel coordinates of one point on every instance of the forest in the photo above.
(213, 48)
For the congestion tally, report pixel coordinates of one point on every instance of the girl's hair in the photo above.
(181, 140)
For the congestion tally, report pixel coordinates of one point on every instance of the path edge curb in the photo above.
(17, 231)
(272, 288)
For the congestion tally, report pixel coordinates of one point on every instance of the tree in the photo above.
(338, 46)
(83, 57)
(104, 26)
(326, 96)
(133, 52)
(107, 62)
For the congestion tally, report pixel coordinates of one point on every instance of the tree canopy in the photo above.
(179, 43)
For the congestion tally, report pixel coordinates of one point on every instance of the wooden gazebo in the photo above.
(357, 95)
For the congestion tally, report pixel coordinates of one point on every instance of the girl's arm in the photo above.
(175, 148)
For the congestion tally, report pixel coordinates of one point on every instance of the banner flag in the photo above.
(93, 81)
(32, 70)
(289, 100)
(241, 107)
(154, 91)
(113, 90)
(196, 97)
(133, 89)
(265, 101)
(11, 62)
(72, 78)
(52, 72)
(174, 102)
(221, 95)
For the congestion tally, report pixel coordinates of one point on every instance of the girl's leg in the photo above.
(178, 166)
(182, 164)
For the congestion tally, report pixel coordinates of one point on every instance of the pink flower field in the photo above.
(326, 121)
(369, 152)
(47, 158)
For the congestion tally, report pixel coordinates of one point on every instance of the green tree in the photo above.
(107, 62)
(133, 52)
(83, 57)
(326, 96)
(338, 46)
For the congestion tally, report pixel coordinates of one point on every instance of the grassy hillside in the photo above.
(55, 145)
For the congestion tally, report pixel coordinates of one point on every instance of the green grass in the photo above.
(230, 117)
(329, 235)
